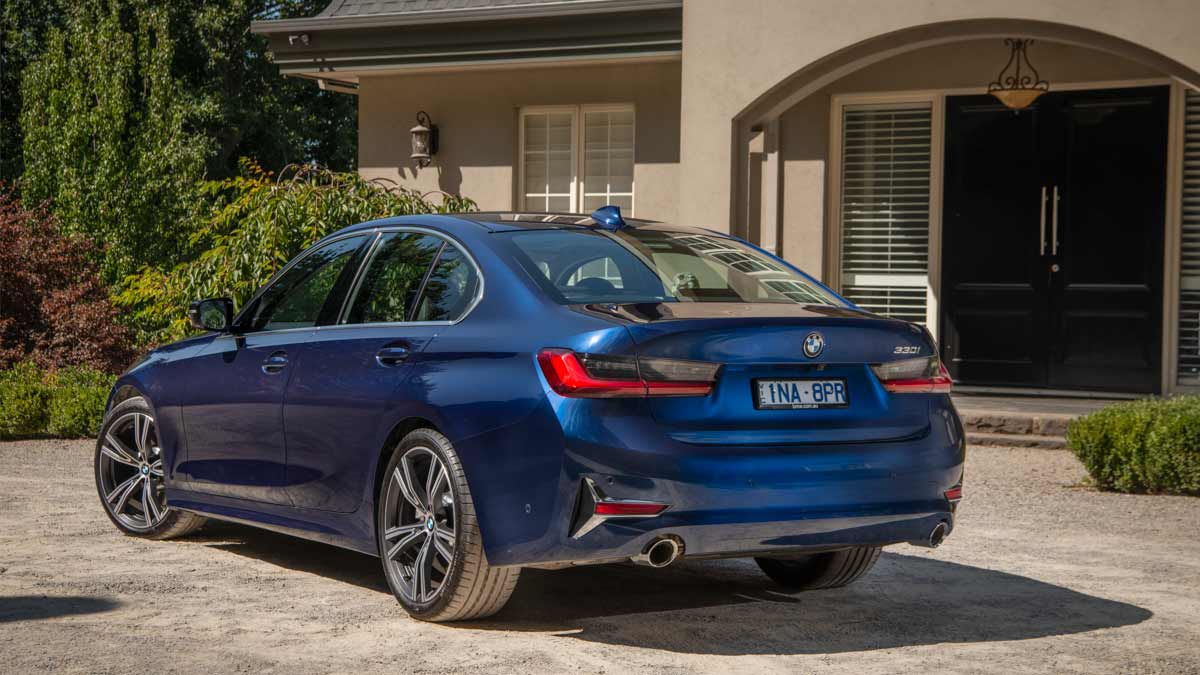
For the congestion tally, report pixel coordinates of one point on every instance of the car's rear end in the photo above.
(749, 412)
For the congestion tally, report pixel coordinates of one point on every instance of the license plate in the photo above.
(800, 394)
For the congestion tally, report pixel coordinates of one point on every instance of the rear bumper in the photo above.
(801, 532)
(727, 501)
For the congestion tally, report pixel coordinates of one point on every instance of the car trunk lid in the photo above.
(760, 344)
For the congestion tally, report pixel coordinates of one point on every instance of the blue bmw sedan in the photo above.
(466, 396)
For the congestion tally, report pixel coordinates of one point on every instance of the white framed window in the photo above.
(576, 158)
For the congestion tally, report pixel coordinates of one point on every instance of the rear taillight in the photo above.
(924, 375)
(607, 376)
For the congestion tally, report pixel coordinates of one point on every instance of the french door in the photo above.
(1052, 240)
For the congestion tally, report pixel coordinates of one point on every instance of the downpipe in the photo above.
(660, 553)
(935, 538)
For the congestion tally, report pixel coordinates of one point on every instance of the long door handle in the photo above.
(274, 363)
(1042, 230)
(1054, 224)
(392, 356)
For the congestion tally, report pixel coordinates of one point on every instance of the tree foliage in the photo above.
(244, 105)
(23, 28)
(241, 103)
(54, 311)
(126, 104)
(106, 133)
(254, 224)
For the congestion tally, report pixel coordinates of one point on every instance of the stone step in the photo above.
(1015, 423)
(976, 438)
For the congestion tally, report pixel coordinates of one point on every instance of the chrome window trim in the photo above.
(377, 233)
(445, 237)
(275, 277)
(352, 292)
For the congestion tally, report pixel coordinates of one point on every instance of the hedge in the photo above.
(1151, 445)
(67, 403)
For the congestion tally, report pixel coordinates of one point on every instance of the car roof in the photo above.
(511, 221)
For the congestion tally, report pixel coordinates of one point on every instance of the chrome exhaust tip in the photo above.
(660, 553)
(936, 537)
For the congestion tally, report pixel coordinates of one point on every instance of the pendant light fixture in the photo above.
(1018, 85)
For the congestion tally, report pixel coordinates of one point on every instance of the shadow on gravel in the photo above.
(295, 554)
(34, 607)
(729, 608)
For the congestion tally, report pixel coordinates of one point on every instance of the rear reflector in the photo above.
(954, 494)
(618, 508)
(596, 508)
(607, 376)
(924, 375)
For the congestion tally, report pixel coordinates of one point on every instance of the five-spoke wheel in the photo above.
(429, 538)
(130, 471)
(130, 474)
(419, 524)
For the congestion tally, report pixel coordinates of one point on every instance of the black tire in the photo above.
(469, 588)
(821, 570)
(160, 521)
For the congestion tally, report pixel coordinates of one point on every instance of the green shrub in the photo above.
(24, 401)
(77, 400)
(253, 225)
(68, 403)
(1142, 446)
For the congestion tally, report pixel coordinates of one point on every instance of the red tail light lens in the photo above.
(924, 375)
(605, 376)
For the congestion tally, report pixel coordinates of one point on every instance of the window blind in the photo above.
(886, 155)
(1189, 250)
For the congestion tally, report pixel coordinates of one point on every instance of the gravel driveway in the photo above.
(1041, 576)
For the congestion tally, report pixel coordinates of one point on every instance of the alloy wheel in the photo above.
(419, 525)
(131, 472)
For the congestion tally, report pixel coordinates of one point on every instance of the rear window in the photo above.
(629, 265)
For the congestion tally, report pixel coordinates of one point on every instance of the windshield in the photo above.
(632, 265)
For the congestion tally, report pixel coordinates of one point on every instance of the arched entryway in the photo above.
(1086, 301)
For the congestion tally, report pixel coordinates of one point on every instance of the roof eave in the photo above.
(532, 11)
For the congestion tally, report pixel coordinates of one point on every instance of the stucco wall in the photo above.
(804, 128)
(735, 51)
(476, 112)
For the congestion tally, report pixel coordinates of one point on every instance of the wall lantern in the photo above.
(1018, 85)
(424, 140)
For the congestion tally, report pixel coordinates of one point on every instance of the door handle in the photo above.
(274, 363)
(1042, 230)
(392, 356)
(1054, 224)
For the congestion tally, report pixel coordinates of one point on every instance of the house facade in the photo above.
(1054, 248)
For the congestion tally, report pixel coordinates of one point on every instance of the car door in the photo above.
(413, 284)
(233, 409)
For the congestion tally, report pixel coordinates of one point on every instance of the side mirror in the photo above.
(211, 314)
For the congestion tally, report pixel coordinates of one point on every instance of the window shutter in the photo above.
(1189, 248)
(885, 208)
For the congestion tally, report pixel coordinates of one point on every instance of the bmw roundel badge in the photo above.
(813, 344)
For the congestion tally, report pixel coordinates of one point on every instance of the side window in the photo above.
(393, 278)
(450, 289)
(597, 274)
(299, 295)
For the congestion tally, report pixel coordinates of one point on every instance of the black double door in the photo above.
(1052, 240)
